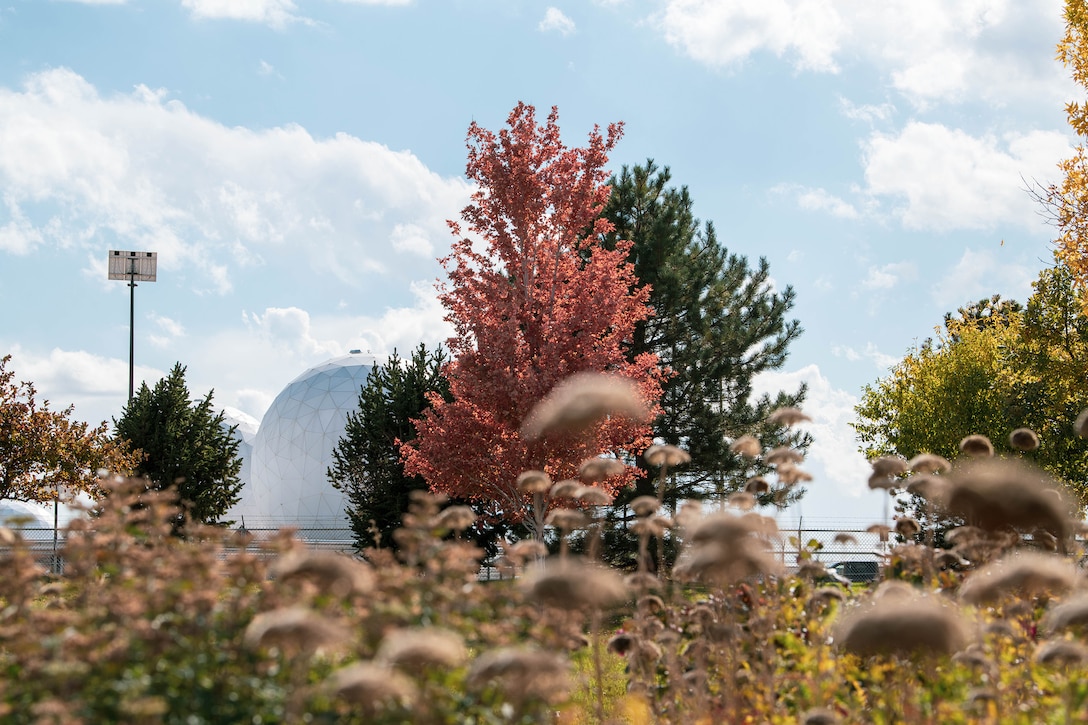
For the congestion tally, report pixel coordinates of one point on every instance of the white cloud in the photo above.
(882, 361)
(822, 200)
(839, 469)
(168, 330)
(275, 13)
(889, 275)
(944, 178)
(97, 2)
(91, 383)
(289, 340)
(929, 50)
(866, 113)
(817, 199)
(982, 274)
(554, 19)
(288, 328)
(411, 239)
(725, 33)
(143, 171)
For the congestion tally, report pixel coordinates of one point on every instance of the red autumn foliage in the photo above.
(533, 300)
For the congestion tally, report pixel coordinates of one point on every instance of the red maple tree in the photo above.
(534, 299)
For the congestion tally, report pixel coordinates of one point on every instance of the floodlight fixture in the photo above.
(132, 267)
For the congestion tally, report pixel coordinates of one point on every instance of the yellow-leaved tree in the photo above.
(43, 451)
(1067, 202)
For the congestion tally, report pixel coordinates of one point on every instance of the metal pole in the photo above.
(131, 326)
(56, 505)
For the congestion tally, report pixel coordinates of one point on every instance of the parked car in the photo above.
(856, 571)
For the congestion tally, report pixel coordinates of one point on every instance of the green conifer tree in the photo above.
(184, 444)
(367, 464)
(717, 324)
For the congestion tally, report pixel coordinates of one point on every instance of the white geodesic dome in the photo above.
(245, 432)
(292, 451)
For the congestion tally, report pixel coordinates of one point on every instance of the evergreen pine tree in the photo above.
(367, 463)
(184, 444)
(717, 324)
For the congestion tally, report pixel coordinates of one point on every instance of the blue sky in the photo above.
(293, 163)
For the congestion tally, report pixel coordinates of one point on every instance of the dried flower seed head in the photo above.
(1044, 540)
(526, 549)
(727, 548)
(889, 466)
(695, 679)
(372, 687)
(522, 675)
(757, 485)
(977, 446)
(764, 526)
(902, 625)
(964, 535)
(567, 519)
(894, 589)
(650, 604)
(812, 569)
(641, 582)
(791, 475)
(566, 489)
(973, 656)
(582, 400)
(597, 469)
(980, 696)
(842, 538)
(783, 454)
(337, 573)
(747, 446)
(1023, 574)
(742, 500)
(645, 505)
(880, 482)
(1024, 439)
(412, 649)
(575, 586)
(1080, 426)
(880, 530)
(652, 525)
(593, 496)
(666, 455)
(9, 537)
(1061, 652)
(621, 643)
(907, 527)
(930, 487)
(788, 417)
(690, 513)
(534, 482)
(820, 716)
(294, 630)
(645, 653)
(929, 463)
(997, 494)
(827, 594)
(1069, 614)
(454, 518)
(948, 559)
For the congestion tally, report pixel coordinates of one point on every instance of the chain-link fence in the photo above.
(827, 545)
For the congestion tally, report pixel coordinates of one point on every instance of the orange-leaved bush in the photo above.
(534, 298)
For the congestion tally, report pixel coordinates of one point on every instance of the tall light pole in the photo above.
(132, 267)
